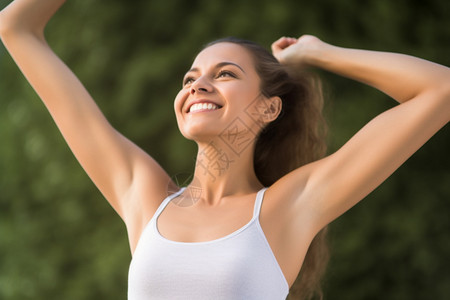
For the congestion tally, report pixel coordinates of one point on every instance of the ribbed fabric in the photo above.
(240, 265)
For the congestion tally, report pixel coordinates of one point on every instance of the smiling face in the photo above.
(219, 88)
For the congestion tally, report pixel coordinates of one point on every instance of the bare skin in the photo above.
(298, 205)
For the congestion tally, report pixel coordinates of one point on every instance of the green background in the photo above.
(59, 239)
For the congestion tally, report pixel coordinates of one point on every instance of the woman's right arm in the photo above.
(120, 169)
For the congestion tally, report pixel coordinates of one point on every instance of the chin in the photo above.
(200, 129)
(202, 134)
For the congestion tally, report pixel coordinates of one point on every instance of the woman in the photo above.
(242, 228)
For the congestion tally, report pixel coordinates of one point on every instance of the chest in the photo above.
(238, 266)
(200, 223)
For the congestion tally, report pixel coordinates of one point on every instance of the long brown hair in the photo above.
(296, 138)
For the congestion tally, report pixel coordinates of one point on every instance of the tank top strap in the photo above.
(166, 201)
(258, 202)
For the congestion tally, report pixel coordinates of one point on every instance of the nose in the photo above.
(194, 90)
(200, 85)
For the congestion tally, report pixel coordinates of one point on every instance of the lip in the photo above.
(201, 101)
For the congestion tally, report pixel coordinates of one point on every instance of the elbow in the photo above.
(442, 96)
(6, 31)
(6, 25)
(440, 92)
(8, 21)
(446, 99)
(2, 24)
(443, 89)
(10, 30)
(10, 26)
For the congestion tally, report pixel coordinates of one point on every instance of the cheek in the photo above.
(244, 90)
(179, 101)
(244, 97)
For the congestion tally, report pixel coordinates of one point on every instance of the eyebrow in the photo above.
(219, 65)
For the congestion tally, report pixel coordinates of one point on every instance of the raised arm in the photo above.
(122, 171)
(400, 76)
(339, 181)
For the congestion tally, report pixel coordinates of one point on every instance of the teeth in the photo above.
(203, 106)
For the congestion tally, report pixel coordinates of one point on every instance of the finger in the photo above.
(282, 43)
(292, 40)
(276, 46)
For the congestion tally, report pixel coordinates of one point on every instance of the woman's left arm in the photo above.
(400, 76)
(337, 182)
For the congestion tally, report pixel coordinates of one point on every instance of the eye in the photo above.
(188, 80)
(225, 73)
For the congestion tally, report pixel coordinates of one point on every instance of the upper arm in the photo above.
(113, 162)
(325, 189)
(375, 152)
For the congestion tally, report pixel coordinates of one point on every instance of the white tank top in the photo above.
(240, 265)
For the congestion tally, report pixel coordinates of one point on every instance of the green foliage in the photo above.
(60, 240)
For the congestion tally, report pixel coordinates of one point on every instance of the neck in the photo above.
(222, 170)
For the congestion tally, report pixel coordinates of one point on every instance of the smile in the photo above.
(203, 107)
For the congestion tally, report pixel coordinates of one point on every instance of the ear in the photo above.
(273, 108)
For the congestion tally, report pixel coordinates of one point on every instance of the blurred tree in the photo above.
(59, 239)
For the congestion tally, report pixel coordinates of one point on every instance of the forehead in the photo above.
(224, 52)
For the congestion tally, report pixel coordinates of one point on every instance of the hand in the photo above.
(299, 51)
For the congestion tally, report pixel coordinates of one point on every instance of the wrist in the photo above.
(320, 54)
